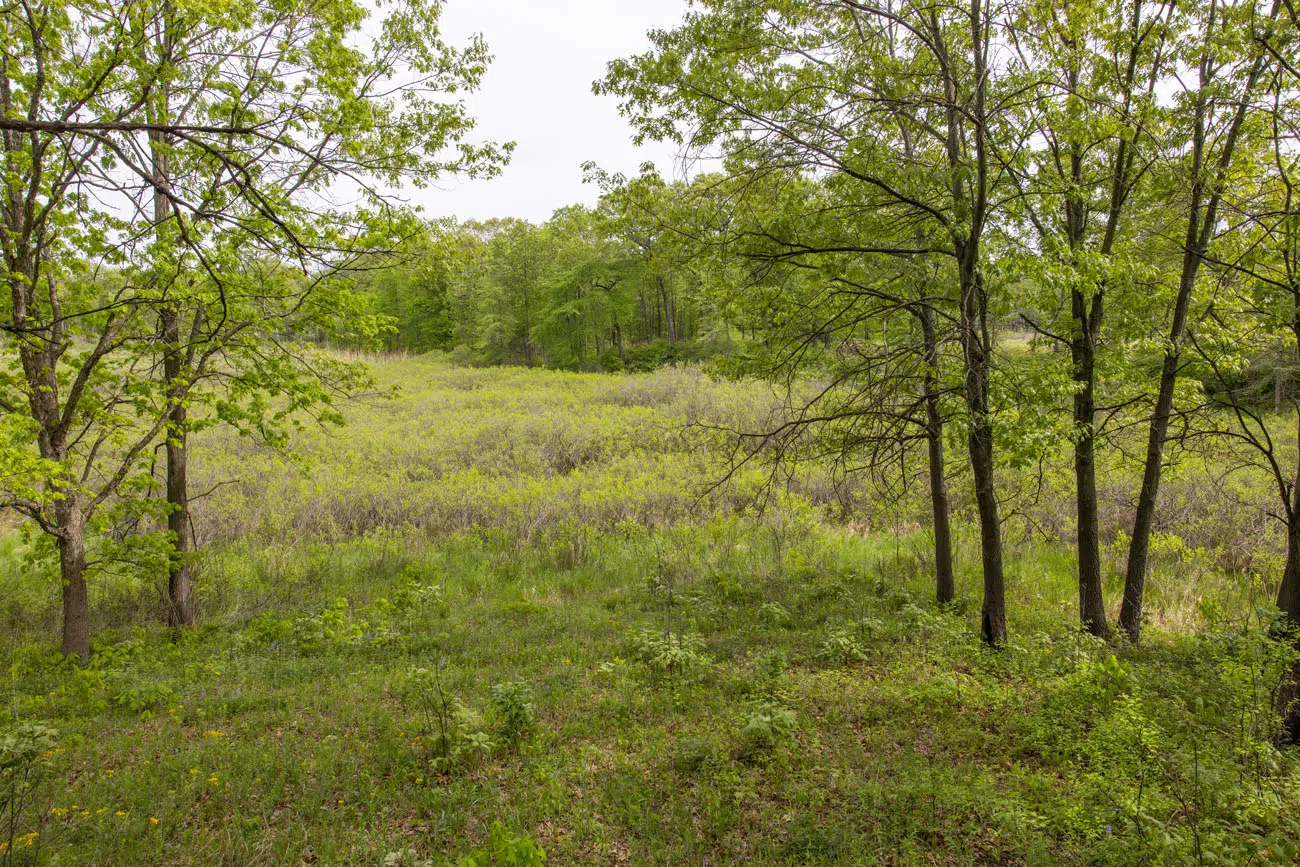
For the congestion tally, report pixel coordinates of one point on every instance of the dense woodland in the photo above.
(1004, 279)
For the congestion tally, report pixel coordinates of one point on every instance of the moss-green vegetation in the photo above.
(501, 598)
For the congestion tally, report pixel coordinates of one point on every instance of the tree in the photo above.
(1206, 135)
(1257, 315)
(825, 89)
(219, 157)
(1093, 68)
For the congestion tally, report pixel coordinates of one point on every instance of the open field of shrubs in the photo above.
(505, 613)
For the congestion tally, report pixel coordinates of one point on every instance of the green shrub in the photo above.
(671, 653)
(842, 646)
(502, 849)
(765, 726)
(513, 702)
(688, 755)
(27, 754)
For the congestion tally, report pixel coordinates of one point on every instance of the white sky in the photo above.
(537, 92)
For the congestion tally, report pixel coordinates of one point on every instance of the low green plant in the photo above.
(452, 732)
(775, 614)
(688, 755)
(842, 646)
(666, 652)
(765, 726)
(513, 702)
(144, 698)
(27, 753)
(501, 849)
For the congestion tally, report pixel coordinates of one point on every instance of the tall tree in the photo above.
(220, 156)
(1092, 68)
(819, 88)
(1226, 76)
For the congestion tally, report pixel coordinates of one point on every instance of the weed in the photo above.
(670, 653)
(513, 702)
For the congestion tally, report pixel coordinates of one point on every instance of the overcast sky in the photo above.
(537, 93)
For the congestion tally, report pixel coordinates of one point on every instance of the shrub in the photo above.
(513, 702)
(775, 614)
(27, 754)
(765, 726)
(453, 732)
(668, 652)
(689, 755)
(842, 646)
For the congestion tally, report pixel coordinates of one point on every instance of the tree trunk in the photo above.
(180, 610)
(976, 346)
(1202, 216)
(1092, 604)
(1130, 613)
(1288, 601)
(71, 524)
(945, 584)
(670, 326)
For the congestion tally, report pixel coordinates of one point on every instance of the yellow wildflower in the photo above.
(153, 820)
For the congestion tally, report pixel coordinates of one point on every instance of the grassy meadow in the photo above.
(509, 596)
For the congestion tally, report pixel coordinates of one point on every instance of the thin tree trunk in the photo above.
(975, 342)
(1288, 601)
(180, 611)
(945, 584)
(1092, 604)
(670, 326)
(1130, 614)
(1202, 215)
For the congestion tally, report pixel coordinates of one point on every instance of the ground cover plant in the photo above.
(533, 631)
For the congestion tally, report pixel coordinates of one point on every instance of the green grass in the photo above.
(707, 684)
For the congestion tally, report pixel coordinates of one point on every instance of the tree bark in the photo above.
(976, 345)
(180, 609)
(1092, 604)
(670, 326)
(945, 584)
(1288, 601)
(1130, 614)
(1202, 215)
(71, 526)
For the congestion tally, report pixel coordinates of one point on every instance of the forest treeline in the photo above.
(892, 183)
(613, 287)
